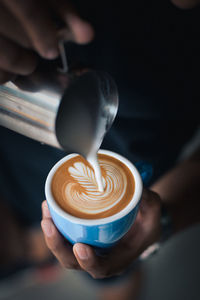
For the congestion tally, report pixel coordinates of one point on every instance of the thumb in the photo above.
(89, 261)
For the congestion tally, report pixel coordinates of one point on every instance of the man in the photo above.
(135, 45)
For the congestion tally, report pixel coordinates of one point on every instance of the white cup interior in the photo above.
(89, 222)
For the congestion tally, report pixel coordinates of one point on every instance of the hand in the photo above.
(28, 28)
(144, 232)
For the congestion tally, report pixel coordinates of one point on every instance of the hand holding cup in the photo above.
(144, 232)
(127, 231)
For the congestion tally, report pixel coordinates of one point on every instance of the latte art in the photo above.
(89, 199)
(77, 190)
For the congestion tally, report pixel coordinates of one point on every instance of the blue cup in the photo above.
(104, 232)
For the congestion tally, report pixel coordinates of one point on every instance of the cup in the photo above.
(101, 233)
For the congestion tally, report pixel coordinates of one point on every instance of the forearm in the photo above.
(179, 190)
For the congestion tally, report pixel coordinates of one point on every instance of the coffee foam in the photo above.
(75, 189)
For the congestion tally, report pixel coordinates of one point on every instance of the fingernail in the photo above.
(81, 251)
(51, 53)
(47, 228)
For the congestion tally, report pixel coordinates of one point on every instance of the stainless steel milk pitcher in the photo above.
(56, 108)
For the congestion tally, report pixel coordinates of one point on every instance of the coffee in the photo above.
(75, 190)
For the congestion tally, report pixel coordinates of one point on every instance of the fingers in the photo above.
(146, 228)
(144, 232)
(151, 200)
(90, 262)
(79, 30)
(12, 29)
(38, 21)
(83, 256)
(15, 59)
(45, 211)
(38, 24)
(56, 243)
(114, 263)
(82, 31)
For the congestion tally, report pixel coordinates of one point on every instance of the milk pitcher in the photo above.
(55, 108)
